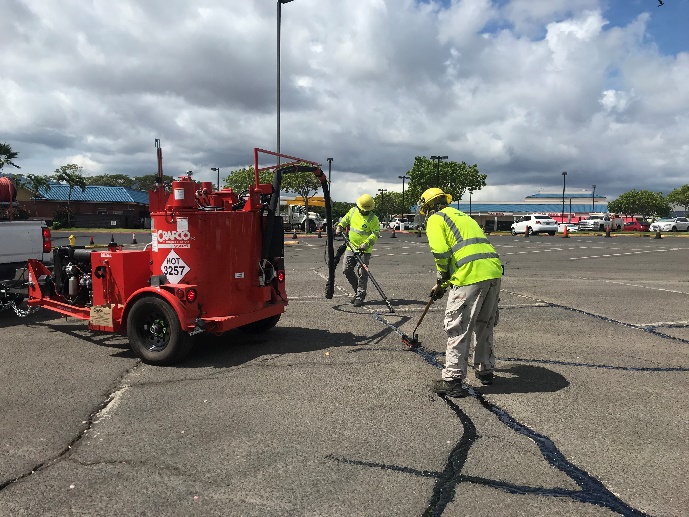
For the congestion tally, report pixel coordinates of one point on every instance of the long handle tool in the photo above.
(357, 254)
(411, 342)
(425, 310)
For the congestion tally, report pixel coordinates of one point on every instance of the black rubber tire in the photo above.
(674, 228)
(155, 334)
(260, 326)
(552, 234)
(514, 232)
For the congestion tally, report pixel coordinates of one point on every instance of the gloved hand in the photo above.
(338, 230)
(362, 248)
(437, 292)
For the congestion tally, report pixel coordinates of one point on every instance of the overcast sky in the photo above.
(525, 89)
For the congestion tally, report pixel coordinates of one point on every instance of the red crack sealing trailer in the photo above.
(215, 263)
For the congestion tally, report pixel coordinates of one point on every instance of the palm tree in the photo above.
(7, 155)
(70, 174)
(35, 184)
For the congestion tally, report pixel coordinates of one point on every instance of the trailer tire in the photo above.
(261, 325)
(155, 334)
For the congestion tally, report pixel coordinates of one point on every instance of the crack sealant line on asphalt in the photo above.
(102, 410)
(648, 329)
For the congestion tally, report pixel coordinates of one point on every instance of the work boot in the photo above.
(486, 378)
(358, 302)
(451, 388)
(354, 298)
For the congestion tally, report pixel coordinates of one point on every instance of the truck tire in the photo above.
(261, 325)
(155, 334)
(552, 234)
(514, 232)
(601, 228)
(312, 226)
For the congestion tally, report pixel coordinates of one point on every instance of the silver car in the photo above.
(671, 224)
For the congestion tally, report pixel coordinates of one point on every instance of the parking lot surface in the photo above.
(330, 414)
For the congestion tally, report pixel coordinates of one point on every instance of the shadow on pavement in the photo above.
(522, 378)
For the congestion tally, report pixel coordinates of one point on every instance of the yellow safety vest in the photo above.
(461, 251)
(362, 229)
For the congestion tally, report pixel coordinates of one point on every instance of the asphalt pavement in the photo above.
(330, 414)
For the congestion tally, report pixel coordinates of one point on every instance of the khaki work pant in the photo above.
(471, 310)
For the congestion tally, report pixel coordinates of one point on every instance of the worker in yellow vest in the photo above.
(364, 230)
(467, 265)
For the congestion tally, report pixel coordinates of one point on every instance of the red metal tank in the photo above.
(217, 250)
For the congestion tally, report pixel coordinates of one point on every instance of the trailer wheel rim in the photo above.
(154, 330)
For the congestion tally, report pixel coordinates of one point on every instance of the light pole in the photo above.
(280, 2)
(437, 170)
(564, 183)
(382, 201)
(217, 169)
(403, 177)
(470, 193)
(330, 163)
(593, 199)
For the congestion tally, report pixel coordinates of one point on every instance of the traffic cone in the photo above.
(658, 236)
(134, 238)
(294, 235)
(607, 232)
(393, 236)
(526, 232)
(566, 235)
(91, 241)
(320, 231)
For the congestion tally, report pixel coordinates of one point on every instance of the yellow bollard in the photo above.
(72, 240)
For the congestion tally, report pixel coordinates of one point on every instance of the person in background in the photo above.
(467, 265)
(364, 230)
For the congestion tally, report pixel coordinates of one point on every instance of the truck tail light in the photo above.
(189, 295)
(281, 276)
(47, 240)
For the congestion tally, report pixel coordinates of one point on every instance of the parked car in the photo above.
(571, 227)
(637, 226)
(536, 223)
(398, 224)
(671, 224)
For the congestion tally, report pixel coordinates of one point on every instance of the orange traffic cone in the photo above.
(134, 238)
(320, 236)
(526, 232)
(566, 235)
(91, 241)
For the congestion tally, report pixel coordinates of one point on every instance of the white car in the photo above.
(671, 224)
(536, 223)
(571, 227)
(398, 224)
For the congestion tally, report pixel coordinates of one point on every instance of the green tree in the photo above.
(641, 202)
(70, 174)
(147, 181)
(240, 180)
(680, 196)
(389, 203)
(7, 155)
(35, 184)
(454, 178)
(340, 208)
(110, 180)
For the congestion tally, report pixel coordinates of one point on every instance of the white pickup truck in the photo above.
(20, 241)
(601, 223)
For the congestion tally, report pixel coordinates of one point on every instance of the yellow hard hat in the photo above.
(365, 203)
(430, 196)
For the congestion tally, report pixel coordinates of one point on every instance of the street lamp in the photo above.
(437, 170)
(403, 177)
(382, 201)
(593, 199)
(217, 169)
(330, 163)
(564, 183)
(470, 193)
(280, 2)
